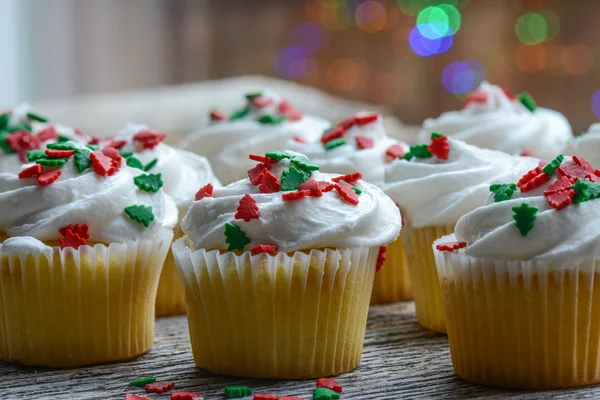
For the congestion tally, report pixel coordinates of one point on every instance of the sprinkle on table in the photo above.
(140, 213)
(524, 216)
(349, 178)
(290, 398)
(451, 246)
(363, 142)
(335, 143)
(31, 172)
(143, 381)
(395, 151)
(205, 191)
(292, 179)
(186, 396)
(439, 147)
(269, 183)
(325, 394)
(130, 396)
(264, 248)
(381, 258)
(247, 209)
(235, 237)
(347, 193)
(330, 383)
(528, 101)
(293, 196)
(48, 177)
(148, 182)
(261, 396)
(503, 191)
(159, 387)
(237, 392)
(552, 166)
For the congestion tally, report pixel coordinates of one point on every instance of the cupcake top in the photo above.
(493, 118)
(358, 143)
(182, 172)
(285, 205)
(22, 130)
(549, 214)
(438, 183)
(265, 122)
(586, 145)
(71, 194)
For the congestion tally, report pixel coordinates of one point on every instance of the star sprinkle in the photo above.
(503, 192)
(269, 183)
(205, 191)
(451, 246)
(347, 193)
(552, 166)
(330, 383)
(159, 387)
(313, 187)
(293, 196)
(363, 142)
(349, 178)
(361, 120)
(149, 182)
(528, 101)
(381, 257)
(235, 237)
(292, 179)
(257, 173)
(524, 216)
(30, 172)
(48, 177)
(247, 209)
(332, 134)
(237, 392)
(149, 139)
(479, 96)
(140, 213)
(335, 143)
(395, 151)
(439, 147)
(264, 248)
(304, 163)
(325, 394)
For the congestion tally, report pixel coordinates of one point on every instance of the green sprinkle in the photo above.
(277, 155)
(62, 138)
(408, 156)
(270, 119)
(19, 127)
(4, 120)
(332, 144)
(503, 191)
(550, 168)
(151, 165)
(141, 214)
(304, 163)
(524, 217)
(4, 144)
(237, 114)
(325, 394)
(134, 162)
(92, 147)
(143, 381)
(235, 237)
(528, 101)
(62, 146)
(292, 179)
(582, 191)
(420, 151)
(34, 155)
(36, 117)
(126, 154)
(435, 135)
(148, 182)
(82, 160)
(252, 95)
(51, 162)
(357, 190)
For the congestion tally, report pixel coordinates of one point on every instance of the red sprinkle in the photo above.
(313, 187)
(71, 239)
(439, 147)
(298, 139)
(284, 106)
(47, 134)
(217, 116)
(330, 383)
(94, 140)
(293, 196)
(149, 139)
(117, 144)
(294, 115)
(48, 177)
(350, 178)
(269, 184)
(564, 183)
(535, 182)
(262, 159)
(289, 398)
(582, 162)
(509, 94)
(366, 119)
(348, 194)
(247, 209)
(326, 186)
(529, 176)
(260, 396)
(80, 229)
(395, 151)
(451, 246)
(260, 101)
(159, 387)
(347, 123)
(560, 200)
(205, 191)
(526, 153)
(574, 171)
(363, 142)
(30, 172)
(257, 173)
(102, 164)
(59, 153)
(130, 396)
(381, 257)
(264, 248)
(21, 142)
(112, 152)
(334, 133)
(186, 396)
(477, 97)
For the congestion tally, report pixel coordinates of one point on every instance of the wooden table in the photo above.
(400, 361)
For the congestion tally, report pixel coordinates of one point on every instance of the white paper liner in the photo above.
(72, 307)
(526, 325)
(298, 316)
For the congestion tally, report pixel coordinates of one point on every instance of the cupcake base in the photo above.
(286, 316)
(169, 296)
(392, 282)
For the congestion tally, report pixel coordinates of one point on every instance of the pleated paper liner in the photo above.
(285, 316)
(169, 296)
(67, 308)
(522, 325)
(423, 273)
(392, 282)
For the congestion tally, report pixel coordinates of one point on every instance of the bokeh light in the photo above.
(371, 16)
(437, 22)
(307, 37)
(290, 62)
(460, 77)
(411, 7)
(530, 58)
(596, 103)
(552, 23)
(577, 59)
(553, 56)
(531, 28)
(427, 47)
(344, 74)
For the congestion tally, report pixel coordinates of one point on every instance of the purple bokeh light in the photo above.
(290, 62)
(459, 78)
(427, 47)
(307, 37)
(596, 103)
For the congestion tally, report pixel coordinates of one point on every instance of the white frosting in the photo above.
(432, 192)
(586, 145)
(350, 157)
(311, 222)
(563, 237)
(87, 198)
(503, 124)
(227, 144)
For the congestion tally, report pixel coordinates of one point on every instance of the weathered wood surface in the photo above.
(401, 361)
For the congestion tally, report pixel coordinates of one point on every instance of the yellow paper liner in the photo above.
(423, 274)
(392, 282)
(169, 296)
(524, 325)
(293, 316)
(67, 308)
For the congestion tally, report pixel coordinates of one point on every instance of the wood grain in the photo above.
(401, 361)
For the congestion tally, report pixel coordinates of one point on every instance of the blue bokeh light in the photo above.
(425, 47)
(290, 62)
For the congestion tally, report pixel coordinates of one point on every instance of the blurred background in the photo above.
(417, 57)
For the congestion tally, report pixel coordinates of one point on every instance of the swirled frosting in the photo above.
(32, 210)
(364, 149)
(182, 172)
(265, 122)
(586, 145)
(305, 223)
(493, 118)
(434, 192)
(562, 236)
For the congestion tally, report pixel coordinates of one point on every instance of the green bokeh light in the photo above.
(439, 21)
(531, 29)
(552, 23)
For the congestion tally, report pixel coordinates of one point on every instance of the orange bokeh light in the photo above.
(371, 16)
(344, 74)
(577, 59)
(530, 58)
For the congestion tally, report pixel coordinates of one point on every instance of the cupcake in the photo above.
(22, 130)
(493, 118)
(518, 281)
(265, 122)
(434, 185)
(289, 254)
(182, 174)
(84, 238)
(586, 145)
(360, 144)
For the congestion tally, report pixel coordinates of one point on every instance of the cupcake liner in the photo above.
(423, 274)
(392, 282)
(169, 296)
(522, 325)
(285, 316)
(65, 308)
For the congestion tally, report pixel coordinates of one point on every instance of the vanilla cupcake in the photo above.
(434, 185)
(84, 238)
(289, 254)
(265, 122)
(519, 281)
(586, 145)
(22, 130)
(360, 144)
(182, 174)
(493, 118)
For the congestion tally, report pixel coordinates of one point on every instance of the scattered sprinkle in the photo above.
(509, 94)
(332, 134)
(552, 166)
(533, 179)
(134, 162)
(585, 191)
(420, 151)
(363, 142)
(261, 102)
(36, 117)
(347, 122)
(261, 159)
(564, 183)
(117, 144)
(269, 183)
(292, 179)
(205, 191)
(451, 246)
(503, 191)
(102, 164)
(51, 162)
(582, 162)
(247, 209)
(330, 383)
(143, 381)
(381, 258)
(560, 200)
(325, 394)
(82, 160)
(149, 139)
(524, 216)
(293, 196)
(395, 151)
(289, 398)
(80, 229)
(151, 165)
(159, 387)
(313, 187)
(140, 213)
(332, 144)
(304, 163)
(357, 190)
(237, 392)
(366, 119)
(186, 396)
(264, 248)
(149, 182)
(349, 178)
(260, 396)
(257, 173)
(59, 153)
(112, 153)
(217, 116)
(479, 96)
(439, 147)
(271, 119)
(71, 239)
(277, 155)
(300, 140)
(347, 193)
(574, 172)
(235, 237)
(126, 154)
(129, 396)
(48, 133)
(239, 114)
(251, 95)
(526, 153)
(30, 172)
(34, 155)
(48, 177)
(528, 101)
(61, 146)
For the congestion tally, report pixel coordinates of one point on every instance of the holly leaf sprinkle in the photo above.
(62, 146)
(126, 154)
(235, 237)
(238, 114)
(334, 143)
(552, 166)
(134, 162)
(34, 155)
(82, 159)
(270, 119)
(357, 190)
(140, 213)
(277, 155)
(524, 216)
(503, 191)
(19, 127)
(148, 182)
(304, 163)
(251, 95)
(293, 178)
(528, 101)
(150, 165)
(51, 162)
(420, 151)
(36, 117)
